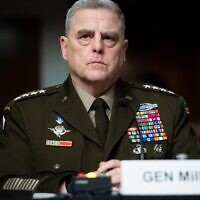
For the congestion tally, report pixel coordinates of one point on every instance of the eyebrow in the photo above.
(85, 31)
(110, 33)
(88, 31)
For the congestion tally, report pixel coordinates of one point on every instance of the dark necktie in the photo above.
(101, 118)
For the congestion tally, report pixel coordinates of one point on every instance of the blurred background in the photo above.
(164, 46)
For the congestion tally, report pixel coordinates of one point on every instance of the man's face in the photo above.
(95, 46)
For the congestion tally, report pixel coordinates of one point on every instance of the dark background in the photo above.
(164, 45)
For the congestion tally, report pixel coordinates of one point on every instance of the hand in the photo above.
(112, 169)
(62, 188)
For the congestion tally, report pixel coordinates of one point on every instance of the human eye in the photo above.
(109, 39)
(84, 38)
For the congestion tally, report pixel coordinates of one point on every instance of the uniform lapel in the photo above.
(71, 108)
(122, 118)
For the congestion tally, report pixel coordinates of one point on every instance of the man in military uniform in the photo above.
(51, 134)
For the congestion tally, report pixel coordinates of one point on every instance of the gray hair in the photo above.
(94, 4)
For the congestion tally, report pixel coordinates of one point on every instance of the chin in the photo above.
(96, 80)
(96, 77)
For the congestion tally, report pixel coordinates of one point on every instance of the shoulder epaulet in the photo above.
(150, 87)
(36, 93)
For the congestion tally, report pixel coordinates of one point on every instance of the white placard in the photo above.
(160, 177)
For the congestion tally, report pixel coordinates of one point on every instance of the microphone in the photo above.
(124, 102)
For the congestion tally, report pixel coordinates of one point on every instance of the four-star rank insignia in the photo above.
(149, 125)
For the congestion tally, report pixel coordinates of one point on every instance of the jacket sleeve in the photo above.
(17, 167)
(184, 138)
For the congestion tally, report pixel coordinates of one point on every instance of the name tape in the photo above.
(160, 177)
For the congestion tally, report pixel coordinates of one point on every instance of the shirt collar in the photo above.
(88, 99)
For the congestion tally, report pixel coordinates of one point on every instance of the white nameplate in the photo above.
(160, 177)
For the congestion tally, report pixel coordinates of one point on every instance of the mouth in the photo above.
(96, 62)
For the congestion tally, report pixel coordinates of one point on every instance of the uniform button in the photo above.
(56, 166)
(64, 99)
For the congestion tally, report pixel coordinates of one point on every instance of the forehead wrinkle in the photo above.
(96, 19)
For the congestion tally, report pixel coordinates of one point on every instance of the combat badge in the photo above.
(59, 130)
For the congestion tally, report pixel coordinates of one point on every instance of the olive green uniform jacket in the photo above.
(48, 134)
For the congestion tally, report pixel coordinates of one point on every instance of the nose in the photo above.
(98, 45)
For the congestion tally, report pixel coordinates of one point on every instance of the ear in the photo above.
(63, 46)
(124, 50)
